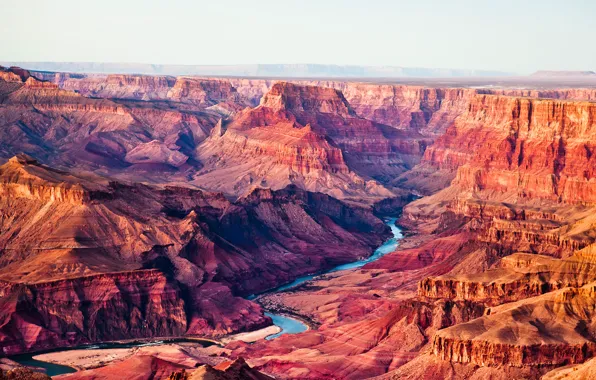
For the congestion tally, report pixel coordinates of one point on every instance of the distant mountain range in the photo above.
(257, 70)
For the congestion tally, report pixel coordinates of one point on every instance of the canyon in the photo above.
(139, 206)
(155, 262)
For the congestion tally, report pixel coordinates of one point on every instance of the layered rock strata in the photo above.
(80, 250)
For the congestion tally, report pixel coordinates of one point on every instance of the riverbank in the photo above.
(252, 336)
(272, 301)
(86, 358)
(89, 357)
(70, 359)
(273, 304)
(187, 354)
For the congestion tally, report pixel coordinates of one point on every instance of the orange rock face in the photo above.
(523, 184)
(540, 148)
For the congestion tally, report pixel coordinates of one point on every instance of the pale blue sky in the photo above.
(518, 36)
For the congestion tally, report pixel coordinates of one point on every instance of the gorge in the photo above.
(419, 231)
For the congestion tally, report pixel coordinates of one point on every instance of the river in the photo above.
(290, 325)
(287, 324)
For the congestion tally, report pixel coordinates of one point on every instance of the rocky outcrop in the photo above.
(519, 276)
(308, 136)
(229, 370)
(548, 333)
(547, 230)
(90, 309)
(586, 370)
(205, 92)
(21, 373)
(24, 177)
(287, 144)
(298, 99)
(155, 152)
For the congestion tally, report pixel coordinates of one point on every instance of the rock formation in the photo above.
(548, 141)
(21, 373)
(308, 136)
(81, 250)
(231, 370)
(548, 330)
(66, 129)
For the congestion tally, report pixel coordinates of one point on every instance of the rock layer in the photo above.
(78, 250)
(308, 136)
(540, 148)
(540, 331)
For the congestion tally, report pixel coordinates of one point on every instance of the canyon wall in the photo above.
(309, 136)
(548, 140)
(550, 334)
(90, 309)
(522, 184)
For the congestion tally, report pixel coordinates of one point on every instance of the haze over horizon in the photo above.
(469, 35)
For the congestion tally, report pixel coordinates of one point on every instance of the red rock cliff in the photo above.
(535, 148)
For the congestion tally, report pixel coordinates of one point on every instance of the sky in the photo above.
(519, 36)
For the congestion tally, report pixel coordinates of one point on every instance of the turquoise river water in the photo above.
(290, 325)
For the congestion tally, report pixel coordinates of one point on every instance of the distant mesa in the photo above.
(559, 74)
(257, 70)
